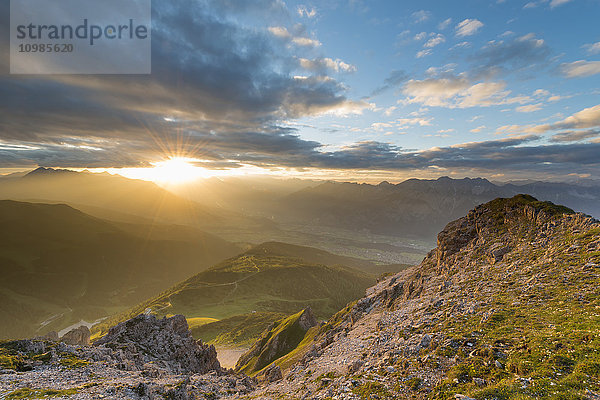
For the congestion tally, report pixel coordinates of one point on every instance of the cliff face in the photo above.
(505, 307)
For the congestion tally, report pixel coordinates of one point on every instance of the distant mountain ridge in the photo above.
(417, 207)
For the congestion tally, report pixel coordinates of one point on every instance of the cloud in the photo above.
(444, 24)
(468, 27)
(529, 108)
(395, 78)
(282, 33)
(457, 92)
(497, 156)
(423, 53)
(556, 3)
(586, 118)
(575, 136)
(420, 36)
(421, 16)
(214, 81)
(478, 129)
(580, 69)
(502, 56)
(307, 12)
(592, 48)
(435, 40)
(320, 64)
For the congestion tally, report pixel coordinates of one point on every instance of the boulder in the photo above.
(79, 336)
(168, 342)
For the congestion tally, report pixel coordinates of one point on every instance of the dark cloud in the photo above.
(212, 74)
(511, 55)
(396, 78)
(575, 136)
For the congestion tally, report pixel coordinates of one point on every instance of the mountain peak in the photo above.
(497, 222)
(42, 171)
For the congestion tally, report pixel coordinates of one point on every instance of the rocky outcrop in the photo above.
(79, 336)
(459, 325)
(166, 342)
(279, 340)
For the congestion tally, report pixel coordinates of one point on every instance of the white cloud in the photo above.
(304, 41)
(556, 3)
(304, 11)
(461, 45)
(421, 16)
(468, 27)
(446, 130)
(350, 107)
(445, 24)
(322, 63)
(381, 126)
(390, 110)
(436, 39)
(478, 129)
(458, 92)
(586, 118)
(423, 53)
(282, 33)
(593, 48)
(420, 36)
(402, 122)
(529, 108)
(581, 68)
(541, 93)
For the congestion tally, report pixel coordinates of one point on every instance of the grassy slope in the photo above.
(252, 290)
(533, 331)
(286, 332)
(56, 261)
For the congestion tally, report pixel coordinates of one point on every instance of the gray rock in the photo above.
(273, 374)
(425, 341)
(167, 341)
(77, 337)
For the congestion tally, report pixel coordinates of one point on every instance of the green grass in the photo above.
(250, 291)
(199, 321)
(285, 336)
(239, 330)
(27, 393)
(72, 361)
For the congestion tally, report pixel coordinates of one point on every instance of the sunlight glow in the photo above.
(176, 170)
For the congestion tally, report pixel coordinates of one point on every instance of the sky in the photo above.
(340, 89)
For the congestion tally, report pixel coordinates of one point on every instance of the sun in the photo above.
(176, 170)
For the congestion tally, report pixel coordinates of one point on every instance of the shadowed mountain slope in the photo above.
(60, 265)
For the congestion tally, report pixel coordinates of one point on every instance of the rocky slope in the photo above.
(143, 358)
(506, 306)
